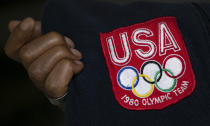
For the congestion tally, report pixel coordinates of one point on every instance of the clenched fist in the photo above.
(49, 59)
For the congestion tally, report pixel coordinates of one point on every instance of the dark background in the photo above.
(21, 103)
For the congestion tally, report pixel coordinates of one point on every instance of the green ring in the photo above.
(165, 90)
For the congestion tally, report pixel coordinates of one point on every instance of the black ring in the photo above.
(154, 62)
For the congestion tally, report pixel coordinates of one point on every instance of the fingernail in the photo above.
(26, 24)
(77, 62)
(76, 52)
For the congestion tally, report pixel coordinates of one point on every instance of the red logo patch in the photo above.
(148, 64)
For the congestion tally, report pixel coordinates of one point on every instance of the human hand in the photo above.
(50, 60)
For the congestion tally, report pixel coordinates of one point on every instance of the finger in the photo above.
(13, 24)
(56, 84)
(19, 37)
(37, 47)
(77, 66)
(69, 42)
(39, 69)
(37, 30)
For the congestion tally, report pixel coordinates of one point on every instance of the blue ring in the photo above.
(119, 73)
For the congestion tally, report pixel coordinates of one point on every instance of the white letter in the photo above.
(165, 34)
(145, 43)
(126, 50)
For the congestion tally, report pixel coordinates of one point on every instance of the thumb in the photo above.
(36, 31)
(19, 36)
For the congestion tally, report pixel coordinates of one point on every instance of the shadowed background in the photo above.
(21, 103)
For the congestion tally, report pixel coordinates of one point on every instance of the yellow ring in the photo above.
(147, 94)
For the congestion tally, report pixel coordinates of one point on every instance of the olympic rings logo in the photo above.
(152, 75)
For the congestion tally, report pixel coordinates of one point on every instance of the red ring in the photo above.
(183, 65)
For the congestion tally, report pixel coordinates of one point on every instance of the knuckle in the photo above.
(56, 37)
(8, 51)
(11, 53)
(69, 65)
(77, 67)
(61, 51)
(24, 54)
(82, 66)
(77, 54)
(55, 90)
(35, 73)
(69, 42)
